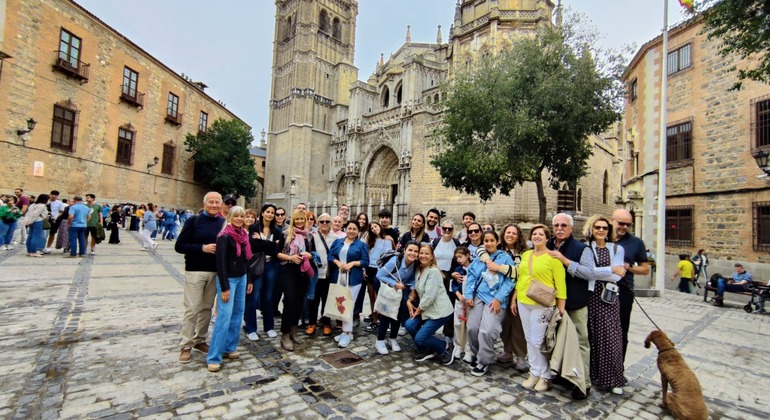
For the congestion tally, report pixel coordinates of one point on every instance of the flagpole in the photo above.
(660, 248)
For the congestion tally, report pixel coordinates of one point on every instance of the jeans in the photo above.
(35, 239)
(269, 279)
(227, 328)
(6, 232)
(252, 304)
(169, 232)
(77, 240)
(722, 286)
(422, 331)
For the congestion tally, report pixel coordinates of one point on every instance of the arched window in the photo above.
(386, 97)
(323, 21)
(399, 95)
(436, 98)
(337, 29)
(289, 29)
(605, 188)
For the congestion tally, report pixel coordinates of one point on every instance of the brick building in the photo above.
(716, 196)
(334, 139)
(105, 110)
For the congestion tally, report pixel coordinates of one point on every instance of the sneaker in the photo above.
(543, 385)
(338, 337)
(617, 391)
(505, 357)
(530, 382)
(372, 327)
(368, 318)
(92, 252)
(423, 356)
(46, 250)
(202, 347)
(212, 367)
(345, 340)
(480, 369)
(185, 355)
(402, 332)
(521, 364)
(233, 355)
(380, 346)
(252, 336)
(272, 334)
(469, 359)
(458, 353)
(449, 355)
(394, 345)
(327, 330)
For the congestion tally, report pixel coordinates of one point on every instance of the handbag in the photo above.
(46, 224)
(389, 298)
(339, 301)
(537, 290)
(257, 265)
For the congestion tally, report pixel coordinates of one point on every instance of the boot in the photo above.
(286, 342)
(293, 336)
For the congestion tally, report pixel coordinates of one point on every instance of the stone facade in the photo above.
(36, 78)
(719, 182)
(377, 152)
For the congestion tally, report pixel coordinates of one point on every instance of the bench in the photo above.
(756, 286)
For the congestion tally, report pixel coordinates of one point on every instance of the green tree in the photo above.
(222, 159)
(743, 27)
(524, 113)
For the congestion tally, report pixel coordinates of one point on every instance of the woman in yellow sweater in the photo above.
(537, 264)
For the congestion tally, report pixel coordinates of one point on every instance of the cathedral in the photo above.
(335, 139)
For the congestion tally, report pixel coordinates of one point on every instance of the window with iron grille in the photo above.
(203, 122)
(130, 83)
(679, 59)
(69, 48)
(761, 213)
(173, 105)
(64, 128)
(760, 122)
(679, 142)
(566, 200)
(679, 226)
(125, 146)
(633, 90)
(168, 159)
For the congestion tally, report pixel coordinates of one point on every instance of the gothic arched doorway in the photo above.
(381, 182)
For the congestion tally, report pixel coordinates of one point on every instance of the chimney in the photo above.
(200, 85)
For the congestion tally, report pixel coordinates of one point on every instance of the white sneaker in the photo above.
(617, 391)
(92, 252)
(381, 347)
(46, 250)
(469, 358)
(272, 334)
(458, 353)
(394, 345)
(402, 331)
(252, 336)
(345, 340)
(9, 248)
(337, 338)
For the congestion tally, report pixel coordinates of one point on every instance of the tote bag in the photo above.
(339, 300)
(389, 298)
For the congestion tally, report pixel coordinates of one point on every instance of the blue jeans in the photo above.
(422, 331)
(269, 279)
(227, 328)
(6, 232)
(252, 304)
(169, 231)
(35, 238)
(722, 286)
(77, 240)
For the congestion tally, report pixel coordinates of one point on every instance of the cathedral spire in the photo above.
(439, 39)
(408, 33)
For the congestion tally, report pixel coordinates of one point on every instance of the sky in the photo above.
(228, 44)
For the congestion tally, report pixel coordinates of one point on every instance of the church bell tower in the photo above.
(312, 73)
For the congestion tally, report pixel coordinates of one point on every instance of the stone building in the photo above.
(111, 118)
(716, 196)
(334, 139)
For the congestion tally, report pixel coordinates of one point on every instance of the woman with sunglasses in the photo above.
(444, 252)
(474, 239)
(295, 271)
(311, 222)
(605, 331)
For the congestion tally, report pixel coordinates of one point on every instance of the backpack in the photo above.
(386, 256)
(434, 243)
(695, 268)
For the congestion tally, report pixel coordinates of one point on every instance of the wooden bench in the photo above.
(756, 285)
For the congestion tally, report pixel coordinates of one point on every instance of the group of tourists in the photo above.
(475, 284)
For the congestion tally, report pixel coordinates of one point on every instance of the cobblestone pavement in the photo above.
(96, 337)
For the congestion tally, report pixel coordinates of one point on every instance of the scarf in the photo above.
(298, 244)
(241, 238)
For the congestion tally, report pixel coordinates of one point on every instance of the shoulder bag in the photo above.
(537, 290)
(257, 265)
(388, 300)
(339, 300)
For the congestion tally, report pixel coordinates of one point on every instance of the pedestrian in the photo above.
(63, 236)
(398, 273)
(36, 213)
(22, 202)
(114, 225)
(684, 271)
(233, 251)
(55, 207)
(78, 216)
(197, 242)
(264, 237)
(293, 268)
(150, 224)
(10, 214)
(95, 220)
(322, 239)
(347, 259)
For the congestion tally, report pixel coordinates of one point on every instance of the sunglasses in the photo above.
(324, 222)
(601, 228)
(230, 203)
(280, 214)
(561, 225)
(624, 224)
(472, 231)
(448, 229)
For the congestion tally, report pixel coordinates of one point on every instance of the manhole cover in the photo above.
(342, 359)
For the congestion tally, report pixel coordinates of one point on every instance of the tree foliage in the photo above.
(743, 27)
(526, 111)
(222, 159)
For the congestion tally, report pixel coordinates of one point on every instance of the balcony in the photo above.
(71, 66)
(131, 96)
(174, 118)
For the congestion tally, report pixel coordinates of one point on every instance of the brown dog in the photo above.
(686, 398)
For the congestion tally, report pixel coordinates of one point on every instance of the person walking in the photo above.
(78, 216)
(114, 225)
(96, 219)
(150, 224)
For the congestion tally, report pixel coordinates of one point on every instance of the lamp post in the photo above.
(30, 126)
(763, 161)
(150, 165)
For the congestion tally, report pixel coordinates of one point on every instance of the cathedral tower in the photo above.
(312, 74)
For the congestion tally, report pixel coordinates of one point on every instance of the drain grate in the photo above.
(343, 359)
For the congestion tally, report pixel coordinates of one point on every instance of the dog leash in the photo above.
(643, 311)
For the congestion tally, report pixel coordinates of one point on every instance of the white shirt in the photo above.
(444, 253)
(56, 208)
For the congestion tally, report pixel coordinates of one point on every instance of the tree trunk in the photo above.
(540, 198)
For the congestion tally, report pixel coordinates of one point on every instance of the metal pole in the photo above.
(660, 248)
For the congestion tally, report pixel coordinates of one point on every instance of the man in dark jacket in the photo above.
(197, 242)
(579, 263)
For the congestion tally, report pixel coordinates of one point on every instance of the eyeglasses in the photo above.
(448, 229)
(280, 214)
(601, 228)
(472, 231)
(624, 224)
(561, 225)
(230, 203)
(311, 219)
(324, 222)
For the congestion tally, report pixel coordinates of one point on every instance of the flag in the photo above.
(687, 4)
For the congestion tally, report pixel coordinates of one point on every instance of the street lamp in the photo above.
(150, 165)
(763, 161)
(30, 126)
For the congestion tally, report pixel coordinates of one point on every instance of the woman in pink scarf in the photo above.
(295, 272)
(232, 253)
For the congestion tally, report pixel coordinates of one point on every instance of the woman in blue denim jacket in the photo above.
(398, 273)
(348, 255)
(486, 297)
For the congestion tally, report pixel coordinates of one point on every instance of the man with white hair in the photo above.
(197, 242)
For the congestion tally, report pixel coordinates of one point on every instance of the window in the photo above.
(173, 105)
(203, 122)
(633, 90)
(323, 21)
(169, 149)
(761, 213)
(679, 226)
(679, 59)
(679, 142)
(130, 83)
(386, 97)
(64, 128)
(336, 29)
(399, 95)
(566, 200)
(125, 146)
(69, 48)
(760, 124)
